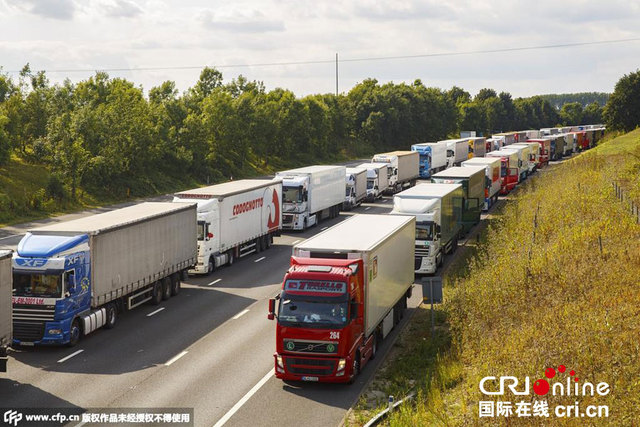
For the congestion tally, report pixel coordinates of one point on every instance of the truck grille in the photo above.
(37, 313)
(301, 366)
(28, 331)
(422, 251)
(287, 218)
(311, 347)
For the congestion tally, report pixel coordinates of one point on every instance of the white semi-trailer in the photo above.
(437, 209)
(377, 179)
(356, 191)
(235, 219)
(6, 288)
(310, 194)
(405, 168)
(73, 277)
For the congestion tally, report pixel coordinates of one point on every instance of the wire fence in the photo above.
(621, 195)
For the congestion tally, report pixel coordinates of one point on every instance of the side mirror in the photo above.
(272, 309)
(354, 310)
(209, 235)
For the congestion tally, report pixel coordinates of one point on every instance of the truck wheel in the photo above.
(74, 333)
(175, 284)
(112, 316)
(258, 244)
(268, 239)
(231, 256)
(166, 288)
(211, 266)
(374, 347)
(156, 293)
(355, 368)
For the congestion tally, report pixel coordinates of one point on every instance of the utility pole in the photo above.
(336, 73)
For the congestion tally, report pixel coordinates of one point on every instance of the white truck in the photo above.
(6, 288)
(310, 194)
(356, 191)
(377, 179)
(492, 180)
(405, 168)
(529, 156)
(477, 146)
(235, 219)
(457, 151)
(433, 158)
(437, 209)
(74, 277)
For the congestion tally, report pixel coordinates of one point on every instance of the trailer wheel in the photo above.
(166, 288)
(267, 241)
(112, 316)
(156, 293)
(175, 284)
(74, 333)
(258, 243)
(231, 256)
(374, 347)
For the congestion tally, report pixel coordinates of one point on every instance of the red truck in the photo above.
(509, 169)
(545, 150)
(347, 287)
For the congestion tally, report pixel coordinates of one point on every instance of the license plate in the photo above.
(27, 344)
(309, 378)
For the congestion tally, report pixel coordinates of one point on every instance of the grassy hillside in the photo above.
(555, 281)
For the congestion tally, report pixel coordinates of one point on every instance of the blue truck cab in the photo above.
(51, 278)
(425, 159)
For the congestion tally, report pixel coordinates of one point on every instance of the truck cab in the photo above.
(320, 320)
(295, 213)
(52, 288)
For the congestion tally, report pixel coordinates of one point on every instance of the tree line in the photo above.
(583, 98)
(105, 135)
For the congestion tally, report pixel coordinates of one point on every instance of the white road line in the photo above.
(214, 282)
(64, 359)
(244, 399)
(172, 361)
(155, 312)
(297, 241)
(260, 259)
(323, 228)
(8, 237)
(367, 208)
(242, 313)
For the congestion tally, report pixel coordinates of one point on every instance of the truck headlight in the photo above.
(55, 331)
(279, 361)
(341, 364)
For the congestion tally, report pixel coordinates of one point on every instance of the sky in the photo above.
(173, 40)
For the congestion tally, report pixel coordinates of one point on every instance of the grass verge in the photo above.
(554, 282)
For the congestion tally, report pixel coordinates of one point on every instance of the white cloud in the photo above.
(56, 9)
(253, 22)
(122, 9)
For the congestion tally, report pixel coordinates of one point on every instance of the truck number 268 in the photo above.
(334, 335)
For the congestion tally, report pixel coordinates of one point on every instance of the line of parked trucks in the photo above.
(346, 287)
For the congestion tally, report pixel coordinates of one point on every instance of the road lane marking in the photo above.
(214, 282)
(242, 313)
(8, 237)
(64, 359)
(323, 228)
(155, 312)
(172, 361)
(260, 259)
(367, 208)
(297, 241)
(244, 399)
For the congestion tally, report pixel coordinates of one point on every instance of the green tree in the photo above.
(622, 111)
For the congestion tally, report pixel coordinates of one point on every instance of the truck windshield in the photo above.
(313, 312)
(200, 230)
(291, 195)
(348, 192)
(37, 285)
(370, 184)
(503, 169)
(424, 230)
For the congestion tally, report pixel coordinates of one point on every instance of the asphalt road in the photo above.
(204, 349)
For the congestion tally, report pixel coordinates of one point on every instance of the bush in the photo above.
(55, 188)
